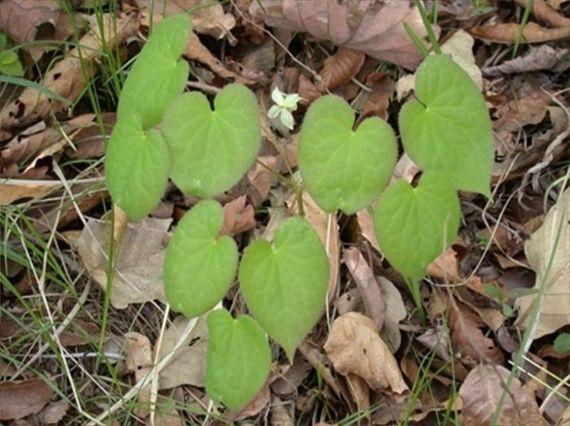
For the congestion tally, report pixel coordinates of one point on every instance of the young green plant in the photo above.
(162, 133)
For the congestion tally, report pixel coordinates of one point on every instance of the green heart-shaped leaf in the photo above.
(199, 266)
(238, 359)
(414, 225)
(344, 169)
(285, 284)
(212, 150)
(158, 75)
(136, 167)
(448, 127)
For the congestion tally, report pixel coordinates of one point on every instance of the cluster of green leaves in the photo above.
(446, 130)
(162, 133)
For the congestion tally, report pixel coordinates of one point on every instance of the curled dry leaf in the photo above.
(366, 283)
(480, 394)
(374, 28)
(208, 17)
(511, 33)
(138, 258)
(67, 77)
(12, 190)
(28, 20)
(22, 398)
(197, 51)
(354, 347)
(537, 58)
(238, 217)
(341, 67)
(548, 253)
(468, 338)
(542, 11)
(395, 312)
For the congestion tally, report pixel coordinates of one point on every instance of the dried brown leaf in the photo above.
(354, 346)
(67, 77)
(54, 412)
(468, 338)
(372, 27)
(510, 33)
(12, 190)
(537, 58)
(545, 13)
(480, 394)
(341, 67)
(139, 259)
(548, 253)
(197, 51)
(28, 20)
(208, 17)
(188, 365)
(377, 101)
(238, 217)
(22, 398)
(366, 283)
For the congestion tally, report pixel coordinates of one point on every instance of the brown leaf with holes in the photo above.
(25, 21)
(341, 67)
(545, 13)
(481, 392)
(469, 339)
(67, 77)
(375, 28)
(355, 347)
(22, 398)
(509, 33)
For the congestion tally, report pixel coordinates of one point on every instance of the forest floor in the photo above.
(494, 347)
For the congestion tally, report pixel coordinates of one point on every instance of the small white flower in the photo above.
(285, 104)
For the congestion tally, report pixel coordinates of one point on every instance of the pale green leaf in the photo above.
(136, 167)
(414, 225)
(448, 128)
(10, 64)
(238, 359)
(285, 284)
(344, 169)
(158, 75)
(212, 150)
(200, 266)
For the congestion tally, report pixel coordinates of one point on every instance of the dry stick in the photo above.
(156, 369)
(154, 383)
